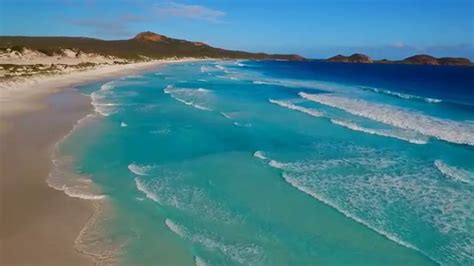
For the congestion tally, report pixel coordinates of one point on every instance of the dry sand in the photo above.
(38, 224)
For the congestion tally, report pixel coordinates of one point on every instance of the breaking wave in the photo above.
(402, 95)
(98, 100)
(454, 173)
(193, 97)
(292, 106)
(292, 83)
(141, 170)
(240, 253)
(62, 177)
(447, 130)
(398, 134)
(168, 192)
(259, 155)
(364, 187)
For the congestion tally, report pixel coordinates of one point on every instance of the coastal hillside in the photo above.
(355, 58)
(416, 59)
(145, 45)
(31, 56)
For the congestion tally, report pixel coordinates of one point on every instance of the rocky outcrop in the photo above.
(354, 58)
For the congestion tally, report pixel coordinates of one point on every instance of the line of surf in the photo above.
(295, 183)
(454, 173)
(174, 92)
(405, 136)
(401, 95)
(447, 130)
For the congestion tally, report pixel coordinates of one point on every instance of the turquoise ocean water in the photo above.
(276, 163)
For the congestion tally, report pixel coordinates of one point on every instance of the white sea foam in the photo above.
(447, 130)
(74, 194)
(454, 173)
(295, 183)
(199, 261)
(192, 97)
(382, 191)
(227, 115)
(141, 186)
(238, 124)
(132, 77)
(292, 106)
(259, 155)
(208, 69)
(398, 134)
(292, 83)
(141, 170)
(276, 164)
(98, 99)
(168, 190)
(175, 228)
(237, 252)
(62, 177)
(402, 95)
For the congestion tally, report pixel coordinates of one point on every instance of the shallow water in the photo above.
(243, 162)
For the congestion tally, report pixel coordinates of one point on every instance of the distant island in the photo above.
(414, 60)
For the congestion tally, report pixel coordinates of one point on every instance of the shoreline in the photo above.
(36, 114)
(25, 94)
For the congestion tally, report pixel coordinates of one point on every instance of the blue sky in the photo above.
(317, 29)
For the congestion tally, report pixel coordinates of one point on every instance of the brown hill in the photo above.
(420, 60)
(145, 45)
(354, 58)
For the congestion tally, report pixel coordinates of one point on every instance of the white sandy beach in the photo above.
(35, 114)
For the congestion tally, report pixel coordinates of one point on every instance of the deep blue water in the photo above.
(264, 163)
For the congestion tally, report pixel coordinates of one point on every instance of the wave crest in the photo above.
(454, 173)
(402, 95)
(194, 97)
(447, 130)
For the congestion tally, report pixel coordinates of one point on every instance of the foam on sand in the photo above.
(443, 129)
(454, 173)
(401, 95)
(62, 177)
(193, 97)
(292, 106)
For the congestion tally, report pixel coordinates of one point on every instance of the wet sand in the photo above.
(38, 225)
